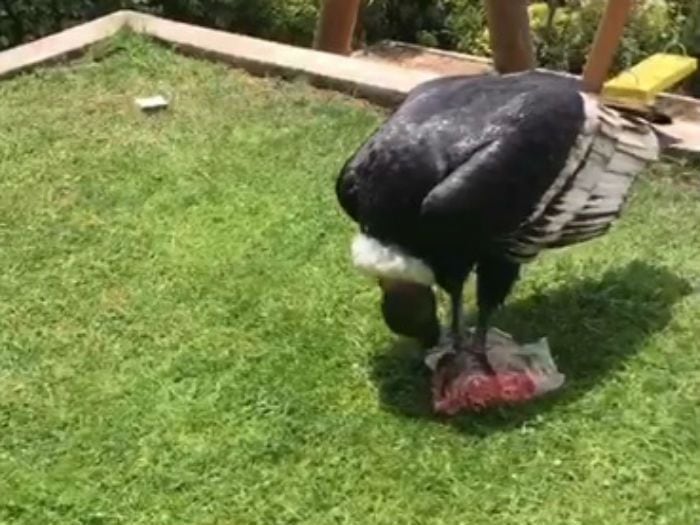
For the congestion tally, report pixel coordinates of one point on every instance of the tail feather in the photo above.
(666, 141)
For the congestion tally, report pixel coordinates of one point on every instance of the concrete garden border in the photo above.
(382, 83)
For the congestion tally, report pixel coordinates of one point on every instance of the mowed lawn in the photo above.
(184, 341)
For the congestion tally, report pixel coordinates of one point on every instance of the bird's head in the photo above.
(408, 302)
(410, 310)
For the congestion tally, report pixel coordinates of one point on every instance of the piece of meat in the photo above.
(475, 390)
(519, 374)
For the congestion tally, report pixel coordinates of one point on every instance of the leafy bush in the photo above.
(291, 21)
(691, 38)
(461, 24)
(691, 28)
(654, 27)
(420, 21)
(22, 20)
(466, 21)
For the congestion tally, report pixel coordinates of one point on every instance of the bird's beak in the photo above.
(410, 310)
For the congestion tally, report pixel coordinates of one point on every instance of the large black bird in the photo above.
(480, 174)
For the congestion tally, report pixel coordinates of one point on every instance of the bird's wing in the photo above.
(441, 126)
(346, 190)
(468, 196)
(501, 183)
(516, 190)
(608, 155)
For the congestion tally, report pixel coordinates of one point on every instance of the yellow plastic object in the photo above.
(640, 84)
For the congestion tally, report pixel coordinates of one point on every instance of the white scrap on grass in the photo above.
(150, 104)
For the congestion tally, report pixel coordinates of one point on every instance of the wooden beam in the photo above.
(509, 30)
(607, 40)
(336, 26)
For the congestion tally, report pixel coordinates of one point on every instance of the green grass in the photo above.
(183, 340)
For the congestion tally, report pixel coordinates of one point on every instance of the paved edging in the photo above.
(382, 83)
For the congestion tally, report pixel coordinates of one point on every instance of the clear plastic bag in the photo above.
(522, 373)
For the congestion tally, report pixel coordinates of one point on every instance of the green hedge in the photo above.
(24, 20)
(451, 24)
(291, 21)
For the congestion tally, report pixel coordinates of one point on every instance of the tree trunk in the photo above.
(337, 26)
(607, 40)
(509, 30)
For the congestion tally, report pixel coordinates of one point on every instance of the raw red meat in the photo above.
(477, 390)
(507, 374)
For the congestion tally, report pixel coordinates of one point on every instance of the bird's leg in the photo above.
(457, 324)
(473, 356)
(495, 279)
(479, 342)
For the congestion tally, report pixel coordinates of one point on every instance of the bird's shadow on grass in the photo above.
(593, 326)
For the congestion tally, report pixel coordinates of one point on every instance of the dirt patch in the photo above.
(415, 57)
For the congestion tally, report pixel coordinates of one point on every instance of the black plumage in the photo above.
(482, 173)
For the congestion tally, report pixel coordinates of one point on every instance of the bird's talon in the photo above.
(480, 359)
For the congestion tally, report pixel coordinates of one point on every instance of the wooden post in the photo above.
(337, 26)
(509, 30)
(607, 40)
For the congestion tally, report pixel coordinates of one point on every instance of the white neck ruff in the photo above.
(380, 260)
